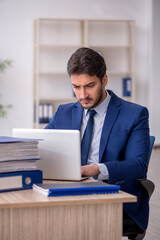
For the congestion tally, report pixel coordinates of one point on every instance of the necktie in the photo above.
(86, 141)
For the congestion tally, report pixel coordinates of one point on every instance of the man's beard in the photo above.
(97, 101)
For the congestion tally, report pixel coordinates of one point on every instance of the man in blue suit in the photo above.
(119, 149)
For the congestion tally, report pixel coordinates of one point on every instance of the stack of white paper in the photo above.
(18, 154)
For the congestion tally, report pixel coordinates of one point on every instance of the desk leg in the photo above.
(75, 222)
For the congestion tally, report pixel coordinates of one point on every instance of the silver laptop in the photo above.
(59, 150)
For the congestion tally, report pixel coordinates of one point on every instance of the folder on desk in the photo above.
(78, 188)
(12, 181)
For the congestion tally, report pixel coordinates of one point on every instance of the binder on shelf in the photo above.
(34, 113)
(19, 180)
(41, 113)
(50, 111)
(45, 112)
(127, 87)
(45, 116)
(78, 188)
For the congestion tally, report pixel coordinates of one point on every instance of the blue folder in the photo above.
(6, 139)
(127, 87)
(78, 188)
(19, 180)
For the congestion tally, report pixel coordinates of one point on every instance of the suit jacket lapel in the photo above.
(111, 116)
(77, 114)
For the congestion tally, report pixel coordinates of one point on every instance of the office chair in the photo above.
(148, 187)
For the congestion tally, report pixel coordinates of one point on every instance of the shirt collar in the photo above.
(101, 109)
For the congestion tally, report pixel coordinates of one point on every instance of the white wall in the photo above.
(16, 24)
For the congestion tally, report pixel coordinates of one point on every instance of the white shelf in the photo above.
(78, 46)
(54, 100)
(50, 73)
(118, 73)
(65, 73)
(57, 46)
(111, 46)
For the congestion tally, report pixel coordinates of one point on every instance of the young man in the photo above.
(119, 147)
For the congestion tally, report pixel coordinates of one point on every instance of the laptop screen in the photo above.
(60, 155)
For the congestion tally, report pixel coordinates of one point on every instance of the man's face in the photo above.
(89, 90)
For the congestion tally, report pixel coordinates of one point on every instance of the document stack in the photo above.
(18, 157)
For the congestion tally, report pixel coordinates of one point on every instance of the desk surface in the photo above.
(31, 198)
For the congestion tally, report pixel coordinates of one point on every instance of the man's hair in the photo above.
(86, 61)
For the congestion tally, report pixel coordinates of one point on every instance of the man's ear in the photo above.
(105, 80)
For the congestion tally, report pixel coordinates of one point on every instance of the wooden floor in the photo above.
(153, 231)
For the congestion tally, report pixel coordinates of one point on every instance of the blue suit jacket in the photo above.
(124, 147)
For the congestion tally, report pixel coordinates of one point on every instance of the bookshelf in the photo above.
(115, 40)
(54, 42)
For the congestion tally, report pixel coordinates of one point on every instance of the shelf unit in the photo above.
(115, 40)
(56, 39)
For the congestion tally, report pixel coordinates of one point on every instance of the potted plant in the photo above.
(3, 65)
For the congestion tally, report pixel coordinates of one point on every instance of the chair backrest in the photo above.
(148, 185)
(152, 139)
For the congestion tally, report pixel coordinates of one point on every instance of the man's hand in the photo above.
(90, 170)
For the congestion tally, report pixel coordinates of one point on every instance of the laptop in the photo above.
(60, 153)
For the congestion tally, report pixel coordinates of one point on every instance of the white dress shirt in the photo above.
(93, 157)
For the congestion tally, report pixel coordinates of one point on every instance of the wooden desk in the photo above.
(28, 215)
